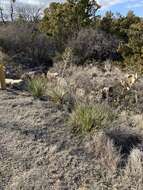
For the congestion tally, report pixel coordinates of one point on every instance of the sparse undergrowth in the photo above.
(98, 163)
(40, 87)
(85, 117)
(111, 175)
(127, 178)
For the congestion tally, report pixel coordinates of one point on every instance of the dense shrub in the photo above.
(135, 35)
(62, 20)
(118, 24)
(4, 58)
(93, 44)
(26, 44)
(132, 50)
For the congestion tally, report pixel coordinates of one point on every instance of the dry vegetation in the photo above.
(72, 140)
(71, 117)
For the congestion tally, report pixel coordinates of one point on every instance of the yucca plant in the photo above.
(37, 87)
(56, 94)
(85, 117)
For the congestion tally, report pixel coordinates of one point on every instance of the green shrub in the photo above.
(85, 117)
(37, 87)
(132, 50)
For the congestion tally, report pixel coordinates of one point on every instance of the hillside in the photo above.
(38, 149)
(71, 95)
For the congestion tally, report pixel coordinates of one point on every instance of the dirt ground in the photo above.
(37, 149)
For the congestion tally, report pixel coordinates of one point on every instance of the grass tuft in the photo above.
(37, 87)
(85, 117)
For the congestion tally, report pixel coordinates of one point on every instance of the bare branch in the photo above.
(2, 16)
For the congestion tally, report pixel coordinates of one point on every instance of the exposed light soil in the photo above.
(37, 149)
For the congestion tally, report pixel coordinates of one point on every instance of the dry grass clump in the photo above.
(138, 121)
(104, 151)
(110, 175)
(85, 117)
(132, 176)
(125, 138)
(107, 161)
(37, 87)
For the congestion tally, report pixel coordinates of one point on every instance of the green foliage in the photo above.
(122, 25)
(136, 38)
(106, 22)
(36, 42)
(132, 51)
(61, 20)
(118, 24)
(129, 29)
(37, 87)
(85, 117)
